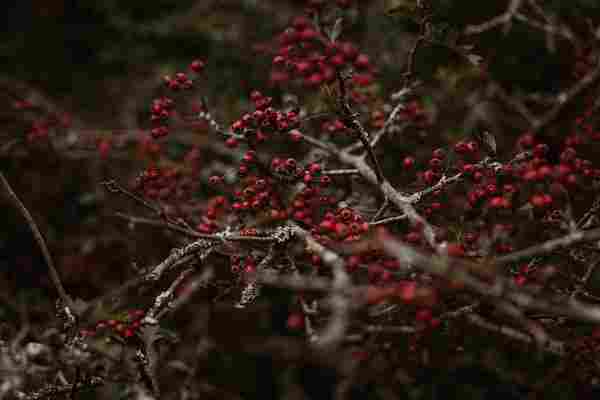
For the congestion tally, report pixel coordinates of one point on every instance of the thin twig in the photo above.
(501, 289)
(351, 118)
(335, 172)
(504, 19)
(54, 277)
(336, 329)
(553, 346)
(550, 245)
(159, 223)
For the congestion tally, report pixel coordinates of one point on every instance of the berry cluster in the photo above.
(414, 113)
(164, 184)
(41, 127)
(345, 224)
(243, 264)
(584, 62)
(306, 56)
(264, 122)
(125, 326)
(161, 111)
(162, 108)
(334, 127)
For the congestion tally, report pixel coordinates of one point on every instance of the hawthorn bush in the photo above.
(352, 232)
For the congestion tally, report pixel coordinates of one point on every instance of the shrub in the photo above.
(348, 227)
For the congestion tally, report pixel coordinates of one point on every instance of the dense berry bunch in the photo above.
(162, 108)
(307, 56)
(125, 326)
(263, 123)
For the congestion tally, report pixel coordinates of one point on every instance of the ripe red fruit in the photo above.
(429, 176)
(215, 180)
(497, 202)
(408, 162)
(290, 163)
(295, 321)
(349, 51)
(423, 315)
(255, 95)
(362, 61)
(295, 135)
(313, 80)
(435, 164)
(537, 200)
(337, 60)
(314, 168)
(307, 34)
(406, 290)
(413, 237)
(526, 140)
(540, 150)
(520, 280)
(455, 250)
(249, 156)
(231, 143)
(439, 153)
(341, 229)
(128, 333)
(472, 147)
(434, 323)
(468, 169)
(104, 148)
(303, 67)
(362, 79)
(197, 66)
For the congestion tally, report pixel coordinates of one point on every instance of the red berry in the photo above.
(197, 66)
(537, 200)
(307, 34)
(215, 180)
(435, 164)
(362, 61)
(408, 162)
(231, 142)
(255, 95)
(526, 140)
(295, 135)
(104, 148)
(406, 290)
(290, 163)
(455, 250)
(497, 202)
(295, 321)
(520, 280)
(423, 315)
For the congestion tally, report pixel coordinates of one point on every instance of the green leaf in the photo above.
(403, 8)
(80, 306)
(336, 30)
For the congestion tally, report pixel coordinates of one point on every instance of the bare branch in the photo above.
(504, 19)
(337, 326)
(553, 346)
(551, 245)
(54, 277)
(502, 288)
